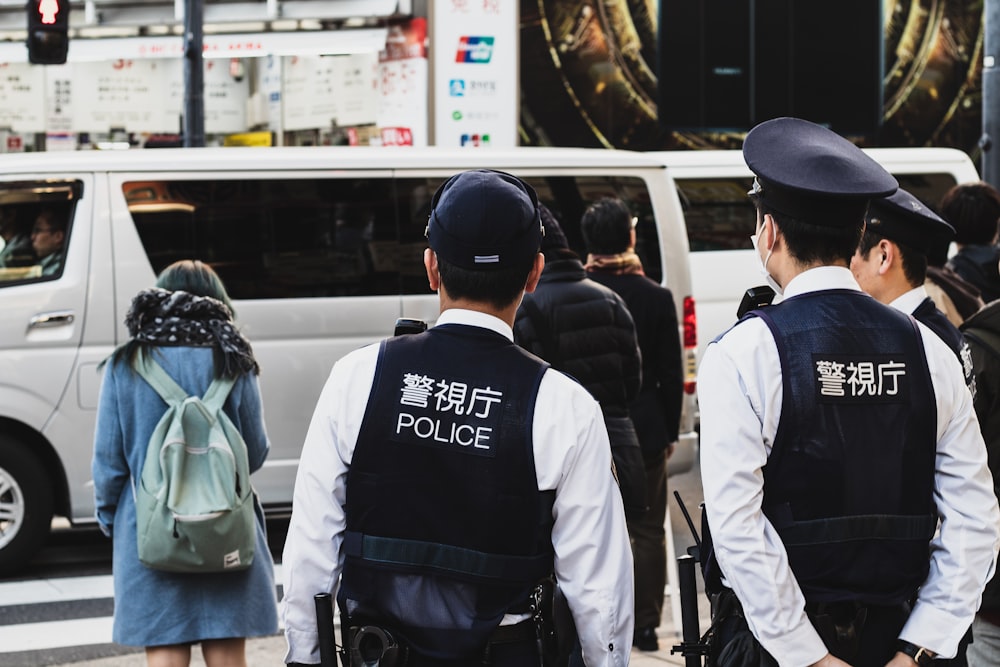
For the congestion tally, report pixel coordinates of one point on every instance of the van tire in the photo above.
(25, 504)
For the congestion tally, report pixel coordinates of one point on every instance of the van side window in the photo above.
(928, 188)
(274, 238)
(718, 213)
(566, 196)
(35, 225)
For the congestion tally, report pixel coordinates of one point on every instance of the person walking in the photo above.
(850, 507)
(186, 323)
(609, 234)
(446, 473)
(584, 330)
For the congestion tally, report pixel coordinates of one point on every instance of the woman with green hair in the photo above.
(185, 321)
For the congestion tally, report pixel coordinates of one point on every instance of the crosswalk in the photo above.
(57, 613)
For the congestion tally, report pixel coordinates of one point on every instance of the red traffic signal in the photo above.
(48, 31)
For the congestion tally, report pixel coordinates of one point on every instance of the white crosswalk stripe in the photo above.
(59, 593)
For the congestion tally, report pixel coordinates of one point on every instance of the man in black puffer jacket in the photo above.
(982, 332)
(585, 330)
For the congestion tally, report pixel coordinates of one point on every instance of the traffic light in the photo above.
(48, 31)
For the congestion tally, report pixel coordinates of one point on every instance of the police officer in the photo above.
(891, 265)
(837, 436)
(444, 473)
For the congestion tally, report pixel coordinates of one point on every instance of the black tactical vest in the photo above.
(928, 314)
(849, 482)
(446, 528)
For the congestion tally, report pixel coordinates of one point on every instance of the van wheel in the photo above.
(25, 504)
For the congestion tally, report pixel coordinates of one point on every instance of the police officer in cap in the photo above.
(445, 473)
(845, 478)
(891, 265)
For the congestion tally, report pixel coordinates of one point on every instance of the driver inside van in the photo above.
(48, 235)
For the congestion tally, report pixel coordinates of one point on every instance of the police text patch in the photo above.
(448, 413)
(879, 378)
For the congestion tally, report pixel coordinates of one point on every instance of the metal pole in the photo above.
(991, 93)
(194, 74)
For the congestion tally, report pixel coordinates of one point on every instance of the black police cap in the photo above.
(485, 220)
(903, 218)
(811, 173)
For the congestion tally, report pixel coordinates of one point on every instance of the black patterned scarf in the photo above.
(161, 317)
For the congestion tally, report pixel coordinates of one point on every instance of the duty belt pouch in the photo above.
(731, 642)
(373, 646)
(840, 625)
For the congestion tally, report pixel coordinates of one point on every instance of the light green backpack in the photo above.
(194, 505)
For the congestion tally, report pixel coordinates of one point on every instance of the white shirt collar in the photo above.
(821, 278)
(476, 319)
(909, 301)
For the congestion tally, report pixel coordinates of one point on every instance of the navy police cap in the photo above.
(484, 219)
(811, 173)
(905, 219)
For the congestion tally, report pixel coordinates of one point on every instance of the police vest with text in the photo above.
(849, 482)
(446, 528)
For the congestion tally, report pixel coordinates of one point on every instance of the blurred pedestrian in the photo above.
(609, 232)
(186, 323)
(584, 329)
(973, 209)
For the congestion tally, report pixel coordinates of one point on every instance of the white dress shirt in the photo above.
(740, 392)
(593, 560)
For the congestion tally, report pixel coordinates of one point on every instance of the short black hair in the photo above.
(607, 226)
(973, 209)
(914, 261)
(499, 288)
(809, 243)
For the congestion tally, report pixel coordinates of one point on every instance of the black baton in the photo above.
(692, 647)
(324, 625)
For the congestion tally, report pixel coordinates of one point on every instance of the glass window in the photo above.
(273, 238)
(566, 196)
(718, 213)
(35, 226)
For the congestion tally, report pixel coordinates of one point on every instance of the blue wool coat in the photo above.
(154, 608)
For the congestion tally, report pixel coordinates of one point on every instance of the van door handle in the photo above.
(56, 318)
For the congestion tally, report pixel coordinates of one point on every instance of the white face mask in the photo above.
(768, 278)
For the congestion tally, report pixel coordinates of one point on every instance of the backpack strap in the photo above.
(171, 392)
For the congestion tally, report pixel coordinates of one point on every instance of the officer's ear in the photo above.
(431, 266)
(888, 254)
(535, 274)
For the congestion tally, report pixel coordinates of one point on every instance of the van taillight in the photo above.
(690, 346)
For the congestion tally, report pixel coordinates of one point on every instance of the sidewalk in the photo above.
(270, 651)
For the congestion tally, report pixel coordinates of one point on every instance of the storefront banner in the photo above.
(227, 89)
(367, 40)
(128, 94)
(475, 50)
(402, 86)
(310, 100)
(330, 91)
(22, 89)
(356, 85)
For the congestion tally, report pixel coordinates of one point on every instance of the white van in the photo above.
(720, 218)
(319, 248)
